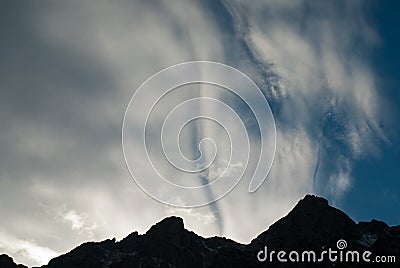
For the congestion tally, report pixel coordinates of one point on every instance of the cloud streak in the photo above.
(325, 87)
(68, 71)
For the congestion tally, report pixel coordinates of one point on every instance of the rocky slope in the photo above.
(311, 225)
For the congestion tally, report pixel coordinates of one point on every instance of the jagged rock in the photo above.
(7, 262)
(311, 225)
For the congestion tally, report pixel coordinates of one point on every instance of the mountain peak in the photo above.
(313, 201)
(313, 207)
(171, 224)
(311, 225)
(311, 222)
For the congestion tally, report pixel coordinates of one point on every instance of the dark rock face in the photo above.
(8, 262)
(314, 225)
(311, 225)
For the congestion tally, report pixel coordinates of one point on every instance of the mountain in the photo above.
(312, 225)
(7, 262)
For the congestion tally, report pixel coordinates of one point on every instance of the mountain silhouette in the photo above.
(312, 225)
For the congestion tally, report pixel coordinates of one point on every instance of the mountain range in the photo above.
(313, 234)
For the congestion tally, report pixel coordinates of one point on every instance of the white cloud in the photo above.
(223, 167)
(246, 215)
(25, 251)
(194, 215)
(77, 221)
(340, 182)
(324, 77)
(312, 68)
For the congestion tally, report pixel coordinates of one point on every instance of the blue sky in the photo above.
(329, 70)
(376, 193)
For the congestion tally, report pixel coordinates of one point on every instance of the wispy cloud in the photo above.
(66, 86)
(77, 221)
(25, 251)
(193, 215)
(321, 82)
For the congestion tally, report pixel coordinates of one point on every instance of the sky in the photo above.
(68, 71)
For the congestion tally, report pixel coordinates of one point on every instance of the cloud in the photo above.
(68, 72)
(322, 82)
(75, 219)
(340, 181)
(24, 251)
(195, 216)
(228, 169)
(64, 89)
(79, 222)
